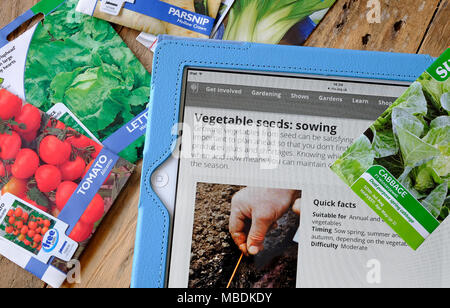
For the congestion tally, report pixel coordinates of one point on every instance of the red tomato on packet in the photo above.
(43, 164)
(26, 164)
(29, 119)
(10, 105)
(10, 144)
(81, 232)
(54, 151)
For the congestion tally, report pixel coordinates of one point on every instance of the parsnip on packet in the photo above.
(400, 166)
(190, 18)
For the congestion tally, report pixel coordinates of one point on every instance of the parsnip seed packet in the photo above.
(400, 166)
(190, 18)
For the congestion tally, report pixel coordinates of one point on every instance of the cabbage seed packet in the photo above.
(400, 166)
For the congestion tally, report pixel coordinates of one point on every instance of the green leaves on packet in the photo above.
(355, 161)
(411, 139)
(82, 62)
(268, 21)
(201, 7)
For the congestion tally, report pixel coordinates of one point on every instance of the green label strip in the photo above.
(395, 205)
(440, 69)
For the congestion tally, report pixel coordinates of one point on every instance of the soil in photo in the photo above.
(214, 254)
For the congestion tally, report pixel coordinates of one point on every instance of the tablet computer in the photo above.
(236, 186)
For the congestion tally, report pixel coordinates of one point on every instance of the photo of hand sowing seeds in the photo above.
(243, 237)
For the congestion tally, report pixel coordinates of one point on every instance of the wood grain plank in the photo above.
(13, 276)
(10, 9)
(402, 27)
(437, 38)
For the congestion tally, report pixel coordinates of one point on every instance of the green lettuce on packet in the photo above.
(400, 166)
(79, 70)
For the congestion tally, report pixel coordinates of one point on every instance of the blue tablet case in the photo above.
(172, 56)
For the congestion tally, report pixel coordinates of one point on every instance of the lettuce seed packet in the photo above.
(78, 69)
(400, 166)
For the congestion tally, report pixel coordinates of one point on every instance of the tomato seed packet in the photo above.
(56, 186)
(400, 166)
(79, 69)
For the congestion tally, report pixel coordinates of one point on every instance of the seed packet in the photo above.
(192, 18)
(56, 186)
(78, 68)
(400, 166)
(288, 22)
(225, 7)
(150, 40)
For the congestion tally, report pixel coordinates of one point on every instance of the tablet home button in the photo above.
(160, 179)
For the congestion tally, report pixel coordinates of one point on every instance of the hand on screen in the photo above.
(255, 211)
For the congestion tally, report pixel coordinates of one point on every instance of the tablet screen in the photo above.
(254, 164)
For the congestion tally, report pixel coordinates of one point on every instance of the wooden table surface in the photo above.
(409, 26)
